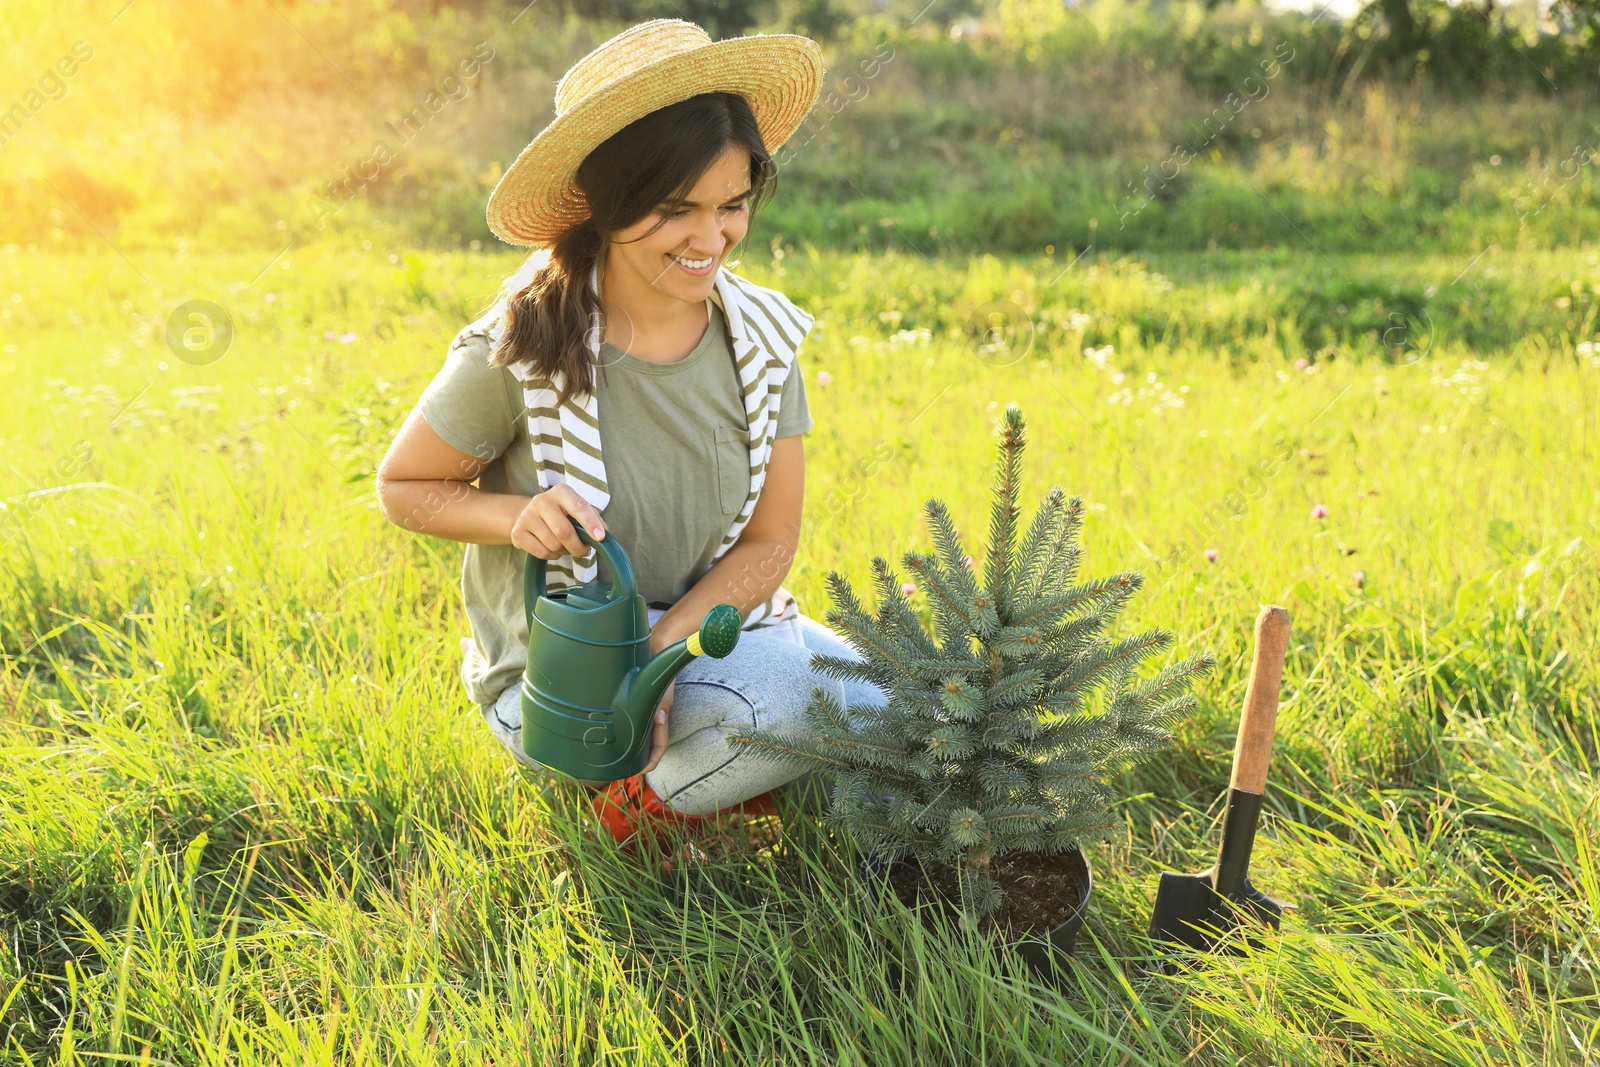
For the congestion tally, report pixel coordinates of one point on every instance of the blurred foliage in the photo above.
(1000, 125)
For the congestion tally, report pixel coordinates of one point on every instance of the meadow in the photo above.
(248, 816)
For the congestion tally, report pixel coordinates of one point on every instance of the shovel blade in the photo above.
(1190, 912)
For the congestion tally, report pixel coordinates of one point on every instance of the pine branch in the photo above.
(1066, 646)
(1019, 687)
(1075, 734)
(920, 705)
(895, 614)
(847, 670)
(1115, 658)
(984, 619)
(953, 742)
(849, 786)
(888, 714)
(780, 749)
(951, 662)
(1030, 556)
(914, 818)
(851, 619)
(1003, 514)
(1173, 679)
(1058, 564)
(1055, 702)
(1007, 729)
(997, 778)
(1082, 805)
(961, 698)
(979, 892)
(1090, 595)
(1020, 820)
(1018, 642)
(1070, 837)
(935, 810)
(824, 712)
(1069, 642)
(853, 745)
(837, 742)
(954, 634)
(966, 828)
(869, 832)
(1169, 712)
(1064, 783)
(957, 614)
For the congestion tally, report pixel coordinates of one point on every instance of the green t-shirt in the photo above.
(677, 452)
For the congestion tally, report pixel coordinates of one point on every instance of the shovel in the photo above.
(1195, 910)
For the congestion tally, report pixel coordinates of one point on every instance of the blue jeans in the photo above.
(765, 682)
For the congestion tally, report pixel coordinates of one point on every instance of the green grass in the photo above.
(246, 814)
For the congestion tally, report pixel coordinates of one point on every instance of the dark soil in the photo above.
(1036, 893)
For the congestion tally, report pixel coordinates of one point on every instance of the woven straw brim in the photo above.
(780, 75)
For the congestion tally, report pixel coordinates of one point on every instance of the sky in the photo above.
(1346, 8)
(1339, 8)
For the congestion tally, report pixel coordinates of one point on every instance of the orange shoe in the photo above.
(628, 807)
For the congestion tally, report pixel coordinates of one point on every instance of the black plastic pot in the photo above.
(1046, 956)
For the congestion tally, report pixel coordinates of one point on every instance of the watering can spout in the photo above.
(641, 690)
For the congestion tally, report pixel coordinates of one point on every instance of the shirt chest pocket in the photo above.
(733, 467)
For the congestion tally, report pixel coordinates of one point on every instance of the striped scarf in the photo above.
(766, 330)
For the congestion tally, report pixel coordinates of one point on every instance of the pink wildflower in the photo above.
(1211, 555)
(1361, 578)
(346, 338)
(908, 588)
(1320, 511)
(1302, 363)
(330, 335)
(824, 378)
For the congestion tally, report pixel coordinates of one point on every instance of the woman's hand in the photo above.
(658, 732)
(543, 528)
(660, 638)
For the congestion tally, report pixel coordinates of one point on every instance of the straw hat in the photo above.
(638, 71)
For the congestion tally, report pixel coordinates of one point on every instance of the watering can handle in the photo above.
(622, 583)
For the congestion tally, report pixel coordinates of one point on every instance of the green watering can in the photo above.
(591, 687)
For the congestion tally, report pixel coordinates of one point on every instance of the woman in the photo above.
(628, 380)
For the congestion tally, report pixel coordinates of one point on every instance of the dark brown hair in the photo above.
(651, 160)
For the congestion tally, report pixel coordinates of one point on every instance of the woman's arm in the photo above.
(750, 571)
(425, 485)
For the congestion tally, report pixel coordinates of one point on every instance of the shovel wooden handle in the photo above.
(1253, 751)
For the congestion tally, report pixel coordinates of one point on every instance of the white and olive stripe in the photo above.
(766, 330)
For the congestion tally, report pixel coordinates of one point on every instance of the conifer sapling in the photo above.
(1001, 729)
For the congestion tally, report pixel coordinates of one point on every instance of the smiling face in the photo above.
(648, 272)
